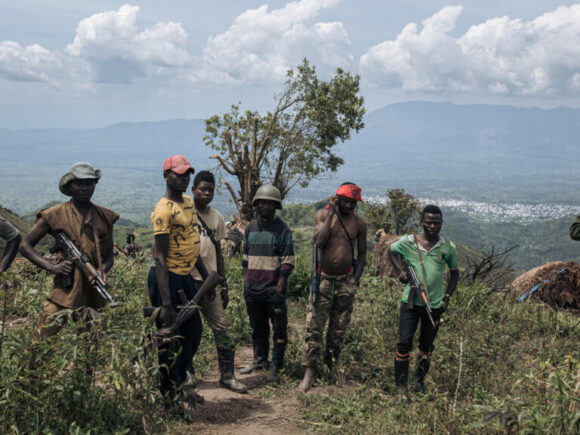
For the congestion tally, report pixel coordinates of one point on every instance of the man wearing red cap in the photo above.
(338, 230)
(176, 253)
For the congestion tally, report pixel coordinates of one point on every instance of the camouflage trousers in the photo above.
(215, 316)
(334, 304)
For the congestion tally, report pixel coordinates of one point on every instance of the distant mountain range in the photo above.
(478, 152)
(490, 154)
(451, 150)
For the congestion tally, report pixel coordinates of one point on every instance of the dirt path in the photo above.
(263, 410)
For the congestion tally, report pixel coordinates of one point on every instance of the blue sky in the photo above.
(87, 63)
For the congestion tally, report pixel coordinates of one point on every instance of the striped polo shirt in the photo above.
(268, 252)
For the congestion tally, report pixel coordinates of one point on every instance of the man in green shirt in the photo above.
(428, 253)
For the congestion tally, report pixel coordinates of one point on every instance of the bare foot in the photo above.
(308, 380)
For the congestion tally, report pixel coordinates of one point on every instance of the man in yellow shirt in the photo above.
(177, 244)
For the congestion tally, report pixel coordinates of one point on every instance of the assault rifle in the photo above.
(72, 253)
(188, 308)
(314, 278)
(416, 287)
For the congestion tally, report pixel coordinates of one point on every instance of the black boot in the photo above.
(401, 374)
(261, 348)
(420, 372)
(277, 362)
(331, 360)
(227, 378)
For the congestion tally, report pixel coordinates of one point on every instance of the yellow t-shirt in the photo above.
(179, 220)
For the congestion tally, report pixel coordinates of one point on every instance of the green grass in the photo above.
(497, 368)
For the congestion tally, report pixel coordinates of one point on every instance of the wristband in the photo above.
(446, 297)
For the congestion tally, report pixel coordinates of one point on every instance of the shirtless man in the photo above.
(337, 232)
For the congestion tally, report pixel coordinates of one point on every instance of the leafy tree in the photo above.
(292, 144)
(400, 211)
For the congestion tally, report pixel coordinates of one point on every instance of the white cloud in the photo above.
(538, 58)
(107, 48)
(117, 52)
(261, 45)
(35, 64)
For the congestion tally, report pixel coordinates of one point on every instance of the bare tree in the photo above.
(294, 143)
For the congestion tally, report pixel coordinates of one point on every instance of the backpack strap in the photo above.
(209, 232)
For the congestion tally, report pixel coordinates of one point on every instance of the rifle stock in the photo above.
(188, 308)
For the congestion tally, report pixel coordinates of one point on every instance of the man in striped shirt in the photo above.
(268, 261)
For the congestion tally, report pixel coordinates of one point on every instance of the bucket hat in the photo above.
(78, 171)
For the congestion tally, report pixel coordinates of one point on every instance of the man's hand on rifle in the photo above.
(404, 277)
(102, 274)
(167, 315)
(62, 268)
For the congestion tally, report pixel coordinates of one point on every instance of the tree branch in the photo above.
(234, 197)
(224, 165)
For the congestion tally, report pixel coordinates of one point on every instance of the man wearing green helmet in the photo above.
(268, 260)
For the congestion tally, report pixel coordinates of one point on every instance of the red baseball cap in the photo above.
(178, 164)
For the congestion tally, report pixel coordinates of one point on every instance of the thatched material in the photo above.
(384, 266)
(559, 284)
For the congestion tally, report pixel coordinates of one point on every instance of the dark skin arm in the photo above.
(399, 266)
(200, 266)
(162, 274)
(9, 253)
(361, 244)
(281, 284)
(221, 270)
(36, 233)
(451, 286)
(323, 224)
(108, 262)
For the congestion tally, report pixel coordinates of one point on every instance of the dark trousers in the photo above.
(263, 308)
(408, 322)
(177, 354)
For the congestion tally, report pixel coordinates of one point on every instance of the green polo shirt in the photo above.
(442, 254)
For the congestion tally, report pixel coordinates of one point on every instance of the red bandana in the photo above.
(351, 191)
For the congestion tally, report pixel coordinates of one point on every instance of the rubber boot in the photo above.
(420, 372)
(401, 374)
(261, 348)
(277, 362)
(227, 378)
(190, 380)
(331, 360)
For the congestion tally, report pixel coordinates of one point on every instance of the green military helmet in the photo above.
(270, 193)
